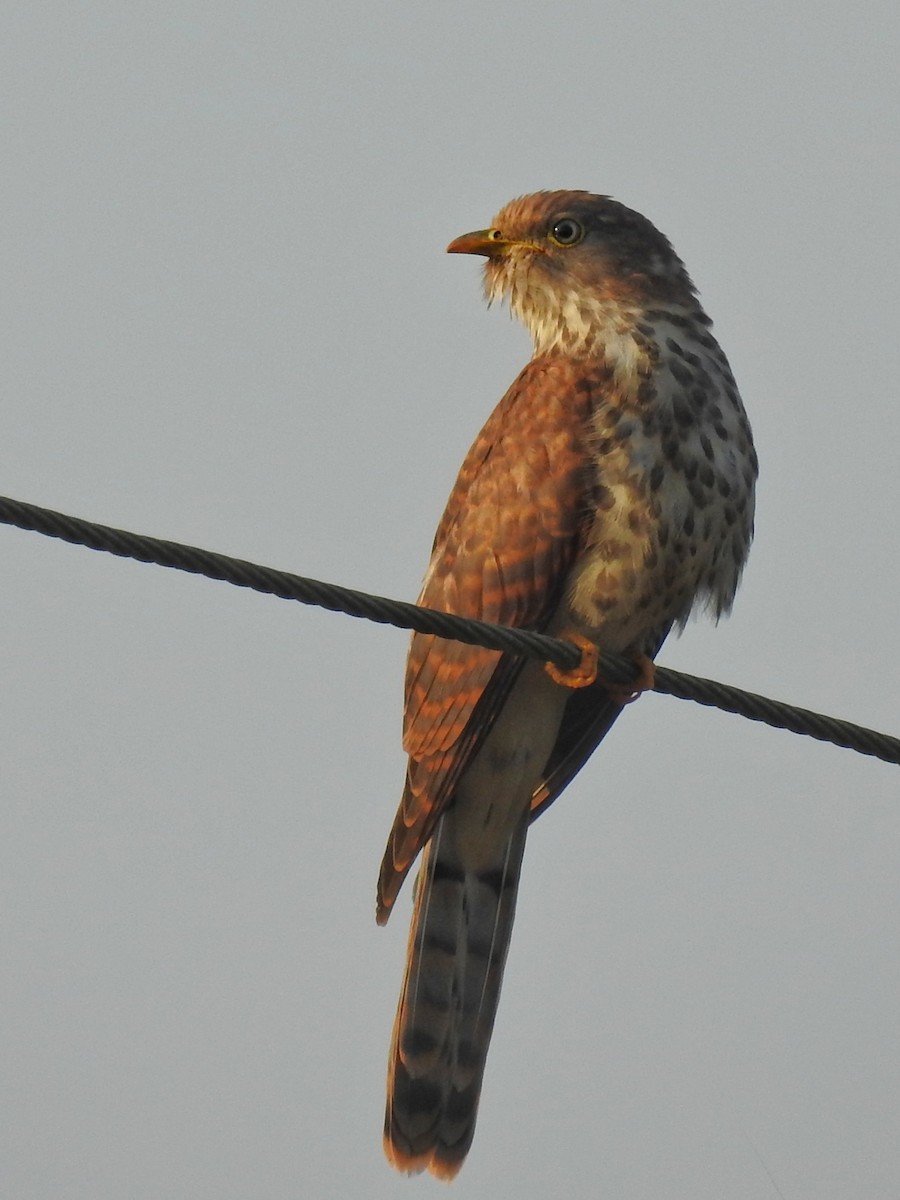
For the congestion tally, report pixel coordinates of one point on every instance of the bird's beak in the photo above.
(488, 242)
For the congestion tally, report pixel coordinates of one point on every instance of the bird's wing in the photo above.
(512, 528)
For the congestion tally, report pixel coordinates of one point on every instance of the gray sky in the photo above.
(228, 320)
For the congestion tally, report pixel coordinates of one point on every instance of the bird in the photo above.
(608, 497)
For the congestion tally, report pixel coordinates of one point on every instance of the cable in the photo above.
(403, 615)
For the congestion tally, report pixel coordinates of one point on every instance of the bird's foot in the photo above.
(645, 681)
(586, 672)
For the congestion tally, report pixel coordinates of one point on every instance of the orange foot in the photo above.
(627, 693)
(586, 672)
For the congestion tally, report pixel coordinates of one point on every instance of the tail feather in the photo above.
(461, 926)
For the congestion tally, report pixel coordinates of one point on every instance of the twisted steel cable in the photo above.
(404, 615)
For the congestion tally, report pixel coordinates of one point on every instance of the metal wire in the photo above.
(403, 615)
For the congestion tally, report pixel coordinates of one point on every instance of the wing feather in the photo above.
(513, 525)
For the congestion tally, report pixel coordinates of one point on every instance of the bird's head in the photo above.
(577, 268)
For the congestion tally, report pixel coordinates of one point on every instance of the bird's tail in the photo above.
(461, 925)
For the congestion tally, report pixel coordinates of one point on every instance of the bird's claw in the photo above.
(585, 673)
(645, 681)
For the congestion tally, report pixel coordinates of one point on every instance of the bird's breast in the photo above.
(670, 498)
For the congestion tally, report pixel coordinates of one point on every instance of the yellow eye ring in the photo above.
(566, 232)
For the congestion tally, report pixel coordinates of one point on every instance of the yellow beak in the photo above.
(488, 242)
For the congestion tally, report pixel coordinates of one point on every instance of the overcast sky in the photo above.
(228, 319)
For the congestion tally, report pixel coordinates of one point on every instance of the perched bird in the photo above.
(609, 495)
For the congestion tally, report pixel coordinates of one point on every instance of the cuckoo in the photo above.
(609, 495)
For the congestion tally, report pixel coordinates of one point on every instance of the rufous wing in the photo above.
(512, 528)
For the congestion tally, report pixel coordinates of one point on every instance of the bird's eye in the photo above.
(566, 232)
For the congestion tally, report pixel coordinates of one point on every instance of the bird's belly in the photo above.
(650, 556)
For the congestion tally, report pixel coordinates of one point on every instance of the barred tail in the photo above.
(461, 926)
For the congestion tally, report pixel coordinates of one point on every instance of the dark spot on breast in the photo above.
(636, 520)
(721, 431)
(684, 375)
(691, 468)
(646, 391)
(676, 319)
(683, 415)
(724, 486)
(707, 476)
(698, 494)
(674, 347)
(706, 445)
(688, 525)
(602, 498)
(656, 477)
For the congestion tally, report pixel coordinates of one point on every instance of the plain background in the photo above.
(227, 319)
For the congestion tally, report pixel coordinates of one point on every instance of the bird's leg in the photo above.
(586, 672)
